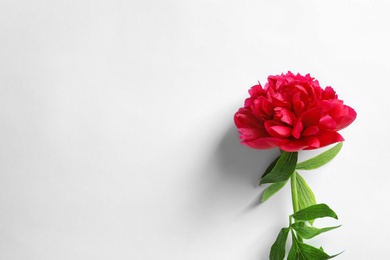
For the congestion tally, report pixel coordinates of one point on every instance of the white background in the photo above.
(116, 131)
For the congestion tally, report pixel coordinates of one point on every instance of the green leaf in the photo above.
(294, 250)
(302, 251)
(307, 232)
(306, 196)
(278, 249)
(314, 212)
(283, 168)
(311, 253)
(320, 159)
(270, 167)
(272, 189)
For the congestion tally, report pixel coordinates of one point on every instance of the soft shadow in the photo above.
(233, 172)
(240, 163)
(226, 187)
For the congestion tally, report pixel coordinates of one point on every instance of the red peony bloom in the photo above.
(292, 112)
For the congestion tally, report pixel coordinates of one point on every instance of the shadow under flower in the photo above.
(226, 188)
(234, 170)
(239, 162)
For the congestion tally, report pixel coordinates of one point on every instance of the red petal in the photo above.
(267, 106)
(277, 130)
(248, 102)
(297, 130)
(329, 137)
(311, 116)
(344, 121)
(256, 90)
(249, 134)
(329, 93)
(244, 118)
(298, 105)
(311, 130)
(262, 107)
(280, 131)
(285, 115)
(265, 143)
(304, 143)
(327, 122)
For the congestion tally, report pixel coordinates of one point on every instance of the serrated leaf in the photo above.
(306, 196)
(271, 190)
(311, 253)
(320, 159)
(278, 249)
(314, 212)
(270, 167)
(283, 168)
(307, 232)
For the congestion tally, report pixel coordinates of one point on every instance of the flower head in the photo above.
(292, 112)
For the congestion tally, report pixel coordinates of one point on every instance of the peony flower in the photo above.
(292, 112)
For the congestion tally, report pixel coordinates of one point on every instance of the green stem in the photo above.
(294, 192)
(294, 195)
